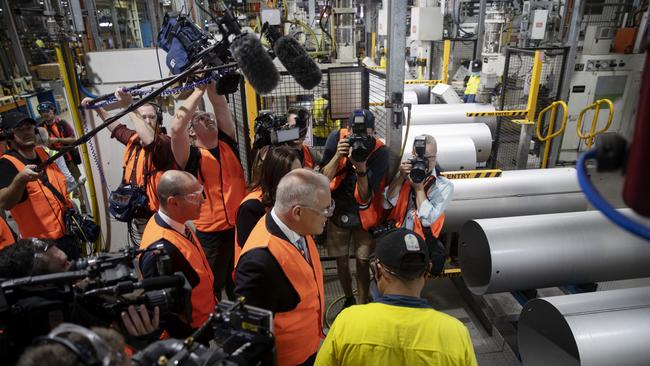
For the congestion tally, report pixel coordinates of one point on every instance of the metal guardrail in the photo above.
(596, 106)
(550, 133)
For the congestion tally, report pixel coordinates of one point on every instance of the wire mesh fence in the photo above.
(506, 152)
(237, 105)
(376, 97)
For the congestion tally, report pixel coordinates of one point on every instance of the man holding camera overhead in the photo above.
(418, 196)
(356, 164)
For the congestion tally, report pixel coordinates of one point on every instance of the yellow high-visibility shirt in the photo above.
(381, 334)
(323, 124)
(472, 84)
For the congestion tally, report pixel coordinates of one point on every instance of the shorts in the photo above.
(339, 240)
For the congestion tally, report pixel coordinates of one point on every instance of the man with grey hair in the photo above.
(279, 267)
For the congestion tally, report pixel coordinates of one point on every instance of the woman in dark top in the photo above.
(278, 161)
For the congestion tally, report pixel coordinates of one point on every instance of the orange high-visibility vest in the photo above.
(224, 187)
(203, 300)
(370, 213)
(139, 169)
(307, 159)
(54, 130)
(256, 194)
(297, 332)
(398, 213)
(41, 214)
(6, 235)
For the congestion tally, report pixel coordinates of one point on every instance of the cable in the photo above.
(594, 197)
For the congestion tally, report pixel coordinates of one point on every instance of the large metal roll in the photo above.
(438, 114)
(515, 193)
(478, 132)
(523, 252)
(416, 94)
(454, 153)
(596, 329)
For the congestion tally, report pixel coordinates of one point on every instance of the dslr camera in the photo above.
(270, 129)
(361, 143)
(419, 164)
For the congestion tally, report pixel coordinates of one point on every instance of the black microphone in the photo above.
(295, 59)
(255, 63)
(148, 284)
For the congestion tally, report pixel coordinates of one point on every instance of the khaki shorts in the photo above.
(339, 240)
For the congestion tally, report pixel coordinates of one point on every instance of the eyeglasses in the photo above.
(149, 116)
(192, 196)
(327, 212)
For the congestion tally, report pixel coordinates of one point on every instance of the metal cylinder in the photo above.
(523, 252)
(515, 193)
(454, 152)
(438, 114)
(478, 132)
(595, 329)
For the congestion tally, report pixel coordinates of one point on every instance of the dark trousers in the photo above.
(70, 246)
(219, 248)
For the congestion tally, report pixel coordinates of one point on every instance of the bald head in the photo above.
(300, 187)
(174, 182)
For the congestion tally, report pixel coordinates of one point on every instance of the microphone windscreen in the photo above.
(255, 63)
(295, 59)
(162, 282)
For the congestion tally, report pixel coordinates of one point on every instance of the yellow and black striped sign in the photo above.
(469, 174)
(423, 82)
(497, 113)
(450, 272)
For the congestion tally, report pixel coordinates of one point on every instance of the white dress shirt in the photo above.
(295, 239)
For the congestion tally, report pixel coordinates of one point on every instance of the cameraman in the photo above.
(419, 206)
(60, 134)
(356, 188)
(147, 153)
(37, 200)
(205, 145)
(181, 198)
(299, 117)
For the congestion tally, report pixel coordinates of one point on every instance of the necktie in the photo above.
(188, 235)
(302, 245)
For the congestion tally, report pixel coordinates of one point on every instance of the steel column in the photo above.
(19, 56)
(395, 78)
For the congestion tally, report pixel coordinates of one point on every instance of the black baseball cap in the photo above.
(13, 119)
(403, 251)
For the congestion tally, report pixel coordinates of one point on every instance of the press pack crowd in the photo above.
(185, 193)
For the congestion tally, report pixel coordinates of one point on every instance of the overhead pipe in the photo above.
(515, 193)
(524, 252)
(595, 329)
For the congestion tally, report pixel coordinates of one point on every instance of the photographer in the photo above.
(299, 117)
(147, 153)
(210, 153)
(356, 164)
(399, 327)
(37, 200)
(418, 196)
(61, 134)
(31, 257)
(181, 198)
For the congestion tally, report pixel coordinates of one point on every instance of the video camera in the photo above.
(361, 143)
(419, 164)
(243, 335)
(270, 129)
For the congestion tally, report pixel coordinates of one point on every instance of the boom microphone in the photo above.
(148, 284)
(297, 62)
(255, 63)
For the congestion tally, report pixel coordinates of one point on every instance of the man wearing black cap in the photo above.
(37, 199)
(399, 327)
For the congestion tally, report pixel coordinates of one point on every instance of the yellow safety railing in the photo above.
(596, 106)
(446, 55)
(551, 125)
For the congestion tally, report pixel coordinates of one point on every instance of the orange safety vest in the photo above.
(54, 130)
(256, 194)
(307, 159)
(138, 169)
(6, 235)
(225, 187)
(297, 332)
(41, 214)
(398, 213)
(203, 300)
(369, 214)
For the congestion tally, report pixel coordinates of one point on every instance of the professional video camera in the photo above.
(243, 335)
(361, 143)
(270, 129)
(419, 164)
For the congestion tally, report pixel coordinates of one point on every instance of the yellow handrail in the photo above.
(551, 124)
(594, 120)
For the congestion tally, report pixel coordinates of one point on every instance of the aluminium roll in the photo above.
(478, 132)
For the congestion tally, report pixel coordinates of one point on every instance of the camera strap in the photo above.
(430, 181)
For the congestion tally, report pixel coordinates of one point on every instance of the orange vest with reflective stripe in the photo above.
(369, 214)
(256, 194)
(6, 236)
(297, 332)
(41, 214)
(203, 300)
(224, 187)
(54, 130)
(145, 175)
(398, 213)
(307, 159)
